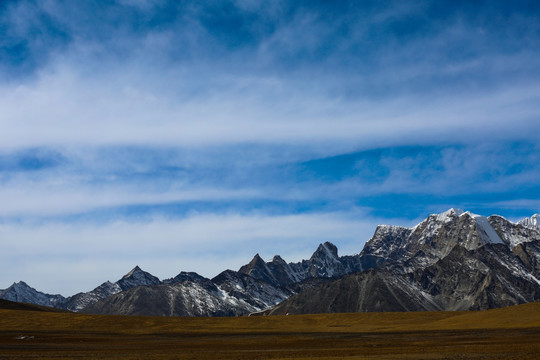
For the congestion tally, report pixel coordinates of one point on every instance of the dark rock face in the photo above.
(185, 276)
(137, 277)
(372, 290)
(450, 261)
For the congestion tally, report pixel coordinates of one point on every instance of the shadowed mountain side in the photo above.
(180, 299)
(488, 277)
(367, 291)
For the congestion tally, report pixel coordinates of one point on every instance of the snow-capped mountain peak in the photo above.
(449, 214)
(435, 237)
(531, 222)
(486, 232)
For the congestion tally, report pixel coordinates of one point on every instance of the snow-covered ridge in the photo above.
(486, 231)
(531, 222)
(448, 214)
(437, 235)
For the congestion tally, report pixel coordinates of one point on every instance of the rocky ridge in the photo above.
(256, 286)
(450, 261)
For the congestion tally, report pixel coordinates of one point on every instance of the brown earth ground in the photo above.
(509, 333)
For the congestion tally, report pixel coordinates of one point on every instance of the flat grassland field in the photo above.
(509, 333)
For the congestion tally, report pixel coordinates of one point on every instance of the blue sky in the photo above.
(182, 135)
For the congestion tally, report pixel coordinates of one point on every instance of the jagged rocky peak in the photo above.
(137, 277)
(531, 222)
(256, 262)
(384, 246)
(20, 285)
(514, 234)
(326, 250)
(386, 235)
(283, 272)
(278, 260)
(325, 262)
(454, 260)
(186, 276)
(450, 213)
(18, 288)
(458, 228)
(22, 292)
(258, 269)
(429, 241)
(136, 271)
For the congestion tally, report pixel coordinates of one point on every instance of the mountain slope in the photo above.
(256, 286)
(21, 292)
(451, 261)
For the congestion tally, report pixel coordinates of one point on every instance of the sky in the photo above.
(189, 136)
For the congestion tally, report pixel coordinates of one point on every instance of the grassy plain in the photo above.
(509, 333)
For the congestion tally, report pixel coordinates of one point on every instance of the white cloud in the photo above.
(59, 197)
(66, 107)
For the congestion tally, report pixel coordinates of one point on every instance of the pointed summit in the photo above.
(532, 222)
(245, 268)
(137, 277)
(20, 287)
(448, 214)
(133, 272)
(22, 292)
(256, 262)
(258, 269)
(21, 284)
(326, 250)
(278, 260)
(325, 261)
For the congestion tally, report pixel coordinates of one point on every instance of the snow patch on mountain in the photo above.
(486, 231)
(448, 215)
(531, 222)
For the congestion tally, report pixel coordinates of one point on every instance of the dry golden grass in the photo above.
(510, 333)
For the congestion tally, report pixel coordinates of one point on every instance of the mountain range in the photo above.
(450, 261)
